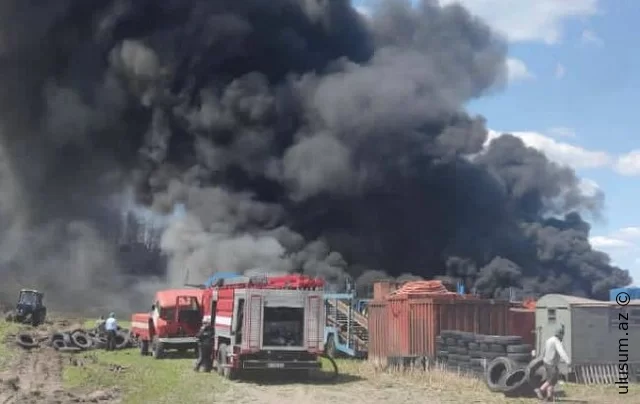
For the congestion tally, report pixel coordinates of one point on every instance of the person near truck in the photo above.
(552, 354)
(205, 347)
(111, 328)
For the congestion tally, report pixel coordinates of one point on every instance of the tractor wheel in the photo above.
(157, 349)
(330, 348)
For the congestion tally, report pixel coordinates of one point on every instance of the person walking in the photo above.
(205, 347)
(552, 354)
(111, 327)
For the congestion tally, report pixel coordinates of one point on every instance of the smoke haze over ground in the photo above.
(299, 135)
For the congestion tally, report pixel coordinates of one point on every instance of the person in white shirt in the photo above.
(552, 354)
(111, 327)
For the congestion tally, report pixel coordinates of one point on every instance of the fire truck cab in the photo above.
(174, 321)
(266, 323)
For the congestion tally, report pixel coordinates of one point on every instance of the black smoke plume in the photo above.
(300, 135)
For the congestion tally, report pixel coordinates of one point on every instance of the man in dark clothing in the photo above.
(205, 347)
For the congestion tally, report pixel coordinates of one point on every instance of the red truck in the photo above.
(266, 323)
(172, 323)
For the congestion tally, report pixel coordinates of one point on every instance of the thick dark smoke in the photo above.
(299, 135)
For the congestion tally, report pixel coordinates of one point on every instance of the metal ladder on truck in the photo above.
(347, 330)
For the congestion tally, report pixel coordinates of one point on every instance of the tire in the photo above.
(81, 340)
(520, 357)
(157, 349)
(484, 347)
(496, 372)
(485, 355)
(58, 344)
(502, 339)
(497, 348)
(451, 342)
(464, 359)
(26, 341)
(447, 334)
(515, 384)
(330, 348)
(122, 340)
(439, 340)
(535, 372)
(144, 347)
(62, 336)
(522, 348)
(467, 336)
(100, 342)
(474, 346)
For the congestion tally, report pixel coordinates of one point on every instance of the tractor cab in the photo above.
(30, 307)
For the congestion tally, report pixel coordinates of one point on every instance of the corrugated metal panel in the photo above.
(408, 326)
(522, 322)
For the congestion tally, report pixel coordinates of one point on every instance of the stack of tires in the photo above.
(465, 351)
(73, 341)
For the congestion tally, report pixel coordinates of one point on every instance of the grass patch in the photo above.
(140, 379)
(6, 353)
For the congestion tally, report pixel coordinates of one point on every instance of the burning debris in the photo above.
(299, 136)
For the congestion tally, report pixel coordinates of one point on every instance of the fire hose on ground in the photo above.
(334, 373)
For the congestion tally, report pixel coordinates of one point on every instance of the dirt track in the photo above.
(36, 377)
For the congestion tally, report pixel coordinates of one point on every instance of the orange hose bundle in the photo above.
(422, 288)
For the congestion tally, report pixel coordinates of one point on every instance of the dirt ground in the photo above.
(35, 376)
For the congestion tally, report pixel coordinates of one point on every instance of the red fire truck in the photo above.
(174, 320)
(266, 323)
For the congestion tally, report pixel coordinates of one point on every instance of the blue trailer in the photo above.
(347, 329)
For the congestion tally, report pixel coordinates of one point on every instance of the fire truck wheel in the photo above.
(157, 348)
(223, 361)
(144, 348)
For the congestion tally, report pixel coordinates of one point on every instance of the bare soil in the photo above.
(35, 376)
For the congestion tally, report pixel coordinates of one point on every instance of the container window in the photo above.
(551, 316)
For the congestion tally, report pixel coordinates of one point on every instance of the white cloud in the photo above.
(629, 164)
(518, 70)
(529, 20)
(605, 243)
(589, 187)
(560, 152)
(561, 71)
(591, 38)
(622, 245)
(561, 131)
(365, 11)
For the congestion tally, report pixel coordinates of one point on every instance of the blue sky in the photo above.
(574, 82)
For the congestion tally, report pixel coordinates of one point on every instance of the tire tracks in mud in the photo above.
(36, 378)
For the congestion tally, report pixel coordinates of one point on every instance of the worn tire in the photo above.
(58, 344)
(497, 348)
(100, 342)
(62, 336)
(447, 333)
(484, 347)
(122, 340)
(26, 341)
(496, 371)
(81, 340)
(157, 349)
(520, 357)
(466, 336)
(474, 346)
(451, 341)
(515, 384)
(144, 347)
(535, 372)
(501, 339)
(520, 348)
(485, 355)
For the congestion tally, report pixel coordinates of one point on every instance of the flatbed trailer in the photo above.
(346, 331)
